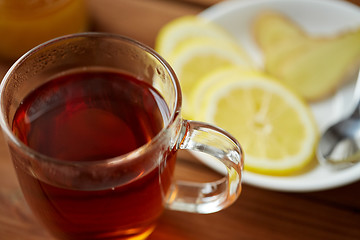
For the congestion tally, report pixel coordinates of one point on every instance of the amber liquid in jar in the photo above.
(26, 23)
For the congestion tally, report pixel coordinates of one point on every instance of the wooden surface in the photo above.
(257, 214)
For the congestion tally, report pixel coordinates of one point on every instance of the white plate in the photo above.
(317, 17)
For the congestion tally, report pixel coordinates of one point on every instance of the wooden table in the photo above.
(257, 214)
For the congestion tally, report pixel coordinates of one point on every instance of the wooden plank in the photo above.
(139, 19)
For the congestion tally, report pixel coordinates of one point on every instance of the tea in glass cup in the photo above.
(93, 123)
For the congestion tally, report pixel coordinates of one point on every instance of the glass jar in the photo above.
(27, 23)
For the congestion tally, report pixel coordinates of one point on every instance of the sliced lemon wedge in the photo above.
(184, 28)
(195, 58)
(274, 126)
(195, 46)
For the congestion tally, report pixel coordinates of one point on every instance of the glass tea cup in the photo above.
(93, 125)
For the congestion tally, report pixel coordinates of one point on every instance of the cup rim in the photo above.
(6, 128)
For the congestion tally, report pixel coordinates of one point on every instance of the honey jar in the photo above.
(27, 23)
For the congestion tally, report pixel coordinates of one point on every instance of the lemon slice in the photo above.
(195, 58)
(185, 28)
(275, 127)
(209, 80)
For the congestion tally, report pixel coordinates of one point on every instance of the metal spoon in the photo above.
(339, 146)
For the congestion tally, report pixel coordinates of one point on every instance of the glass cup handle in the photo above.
(211, 196)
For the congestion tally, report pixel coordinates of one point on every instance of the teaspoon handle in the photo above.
(356, 99)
